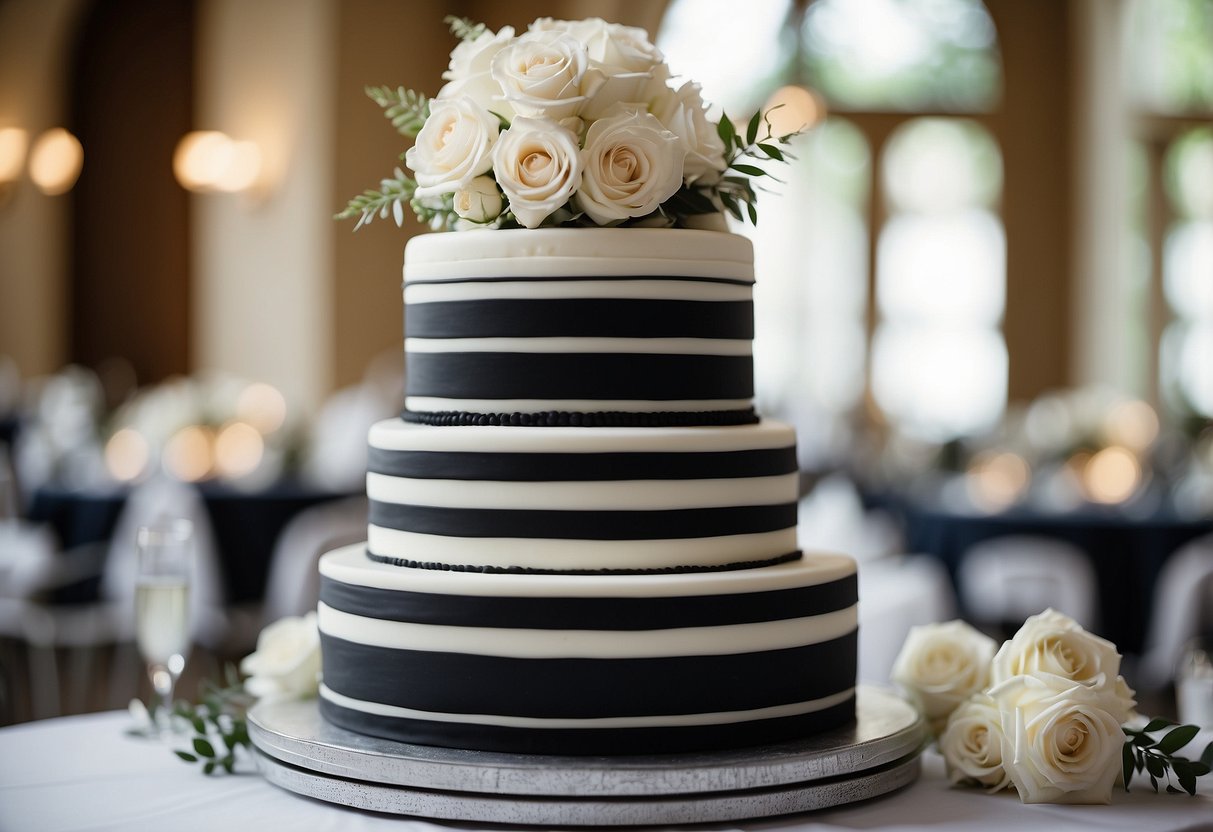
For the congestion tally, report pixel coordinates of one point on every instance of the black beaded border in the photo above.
(528, 570)
(599, 419)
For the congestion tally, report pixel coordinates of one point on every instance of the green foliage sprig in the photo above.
(222, 713)
(463, 28)
(1157, 758)
(407, 110)
(738, 192)
(392, 196)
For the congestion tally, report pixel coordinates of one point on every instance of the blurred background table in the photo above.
(246, 527)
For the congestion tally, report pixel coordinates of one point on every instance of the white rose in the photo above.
(480, 201)
(286, 664)
(455, 146)
(1060, 743)
(470, 73)
(942, 665)
(683, 113)
(544, 73)
(538, 165)
(972, 744)
(1052, 643)
(611, 46)
(632, 164)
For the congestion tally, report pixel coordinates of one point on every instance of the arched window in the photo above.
(1169, 63)
(882, 258)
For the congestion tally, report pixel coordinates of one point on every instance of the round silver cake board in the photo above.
(299, 751)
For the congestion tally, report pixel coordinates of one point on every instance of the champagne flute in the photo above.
(165, 564)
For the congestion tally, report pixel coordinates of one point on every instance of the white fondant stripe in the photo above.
(723, 640)
(396, 435)
(432, 404)
(559, 554)
(663, 721)
(558, 267)
(649, 346)
(606, 495)
(349, 565)
(626, 289)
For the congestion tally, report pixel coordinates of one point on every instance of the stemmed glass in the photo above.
(165, 563)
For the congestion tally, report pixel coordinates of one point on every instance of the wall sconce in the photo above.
(208, 161)
(794, 107)
(12, 154)
(55, 161)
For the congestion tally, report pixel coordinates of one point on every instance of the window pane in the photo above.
(736, 75)
(810, 252)
(943, 269)
(1170, 48)
(938, 383)
(1188, 171)
(903, 54)
(935, 164)
(1188, 271)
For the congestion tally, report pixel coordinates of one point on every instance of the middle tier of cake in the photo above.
(571, 500)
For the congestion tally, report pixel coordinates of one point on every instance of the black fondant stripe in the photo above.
(600, 419)
(590, 741)
(581, 317)
(589, 613)
(582, 467)
(583, 525)
(596, 376)
(575, 688)
(581, 278)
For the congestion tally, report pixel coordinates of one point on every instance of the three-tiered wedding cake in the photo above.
(582, 538)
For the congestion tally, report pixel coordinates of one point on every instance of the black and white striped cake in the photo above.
(582, 539)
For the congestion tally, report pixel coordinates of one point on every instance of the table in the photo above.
(81, 772)
(246, 526)
(1127, 552)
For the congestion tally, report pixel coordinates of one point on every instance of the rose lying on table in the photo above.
(1048, 713)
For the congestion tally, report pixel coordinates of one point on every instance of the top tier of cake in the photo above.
(622, 327)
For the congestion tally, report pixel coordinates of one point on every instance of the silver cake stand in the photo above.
(297, 750)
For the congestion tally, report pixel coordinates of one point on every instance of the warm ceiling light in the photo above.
(189, 454)
(55, 161)
(126, 454)
(238, 449)
(1111, 475)
(12, 153)
(207, 160)
(793, 108)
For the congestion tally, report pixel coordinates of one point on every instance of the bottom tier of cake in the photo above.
(588, 664)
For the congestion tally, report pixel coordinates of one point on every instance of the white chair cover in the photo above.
(335, 458)
(27, 558)
(157, 499)
(832, 519)
(293, 585)
(1183, 593)
(896, 594)
(1011, 578)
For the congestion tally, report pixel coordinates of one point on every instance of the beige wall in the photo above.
(263, 262)
(35, 39)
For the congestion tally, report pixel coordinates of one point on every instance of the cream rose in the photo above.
(538, 166)
(480, 201)
(632, 164)
(683, 113)
(455, 146)
(1060, 742)
(544, 73)
(1052, 643)
(972, 744)
(469, 72)
(942, 665)
(286, 664)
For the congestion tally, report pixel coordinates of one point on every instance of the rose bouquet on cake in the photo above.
(1047, 713)
(571, 123)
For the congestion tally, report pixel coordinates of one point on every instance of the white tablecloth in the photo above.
(82, 773)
